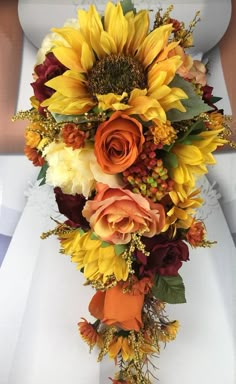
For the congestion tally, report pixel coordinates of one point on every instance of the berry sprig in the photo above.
(147, 175)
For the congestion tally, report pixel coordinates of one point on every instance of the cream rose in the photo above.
(116, 213)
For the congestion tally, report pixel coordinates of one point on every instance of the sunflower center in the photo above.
(116, 74)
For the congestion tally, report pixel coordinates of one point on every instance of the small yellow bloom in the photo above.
(98, 262)
(32, 138)
(181, 213)
(169, 331)
(33, 134)
(125, 347)
(163, 133)
(216, 121)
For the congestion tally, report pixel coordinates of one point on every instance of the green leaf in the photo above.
(171, 160)
(68, 118)
(93, 236)
(197, 126)
(194, 104)
(105, 244)
(42, 174)
(127, 6)
(169, 289)
(81, 231)
(190, 139)
(215, 99)
(119, 249)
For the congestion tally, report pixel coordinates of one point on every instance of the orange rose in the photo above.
(114, 307)
(116, 213)
(118, 142)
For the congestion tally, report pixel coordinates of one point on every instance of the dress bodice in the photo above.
(38, 17)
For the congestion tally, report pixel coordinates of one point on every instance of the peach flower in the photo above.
(198, 73)
(187, 61)
(114, 307)
(116, 213)
(118, 142)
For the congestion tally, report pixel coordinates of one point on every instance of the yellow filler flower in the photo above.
(115, 64)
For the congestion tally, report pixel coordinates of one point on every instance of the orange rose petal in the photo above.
(96, 305)
(123, 309)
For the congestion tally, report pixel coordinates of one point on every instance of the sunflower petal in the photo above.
(68, 106)
(87, 57)
(107, 43)
(68, 86)
(116, 25)
(153, 44)
(138, 27)
(107, 101)
(73, 37)
(68, 57)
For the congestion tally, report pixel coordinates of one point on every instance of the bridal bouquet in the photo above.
(122, 124)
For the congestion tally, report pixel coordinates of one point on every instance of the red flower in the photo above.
(207, 96)
(196, 233)
(71, 206)
(49, 69)
(72, 136)
(166, 256)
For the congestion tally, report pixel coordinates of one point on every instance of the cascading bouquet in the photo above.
(122, 124)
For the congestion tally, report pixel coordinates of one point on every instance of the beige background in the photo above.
(12, 135)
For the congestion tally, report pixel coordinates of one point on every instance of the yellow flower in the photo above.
(125, 347)
(163, 133)
(116, 64)
(33, 134)
(169, 331)
(98, 262)
(32, 138)
(215, 120)
(180, 214)
(193, 159)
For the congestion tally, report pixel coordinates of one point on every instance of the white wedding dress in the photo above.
(42, 298)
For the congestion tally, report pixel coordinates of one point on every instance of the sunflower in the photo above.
(194, 158)
(115, 63)
(180, 215)
(98, 262)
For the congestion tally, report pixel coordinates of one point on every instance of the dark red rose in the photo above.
(166, 256)
(50, 68)
(71, 206)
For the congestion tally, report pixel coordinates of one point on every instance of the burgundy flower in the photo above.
(207, 96)
(71, 206)
(50, 68)
(166, 256)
